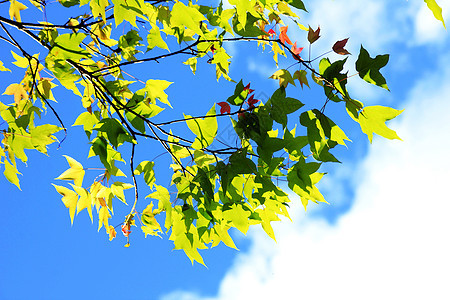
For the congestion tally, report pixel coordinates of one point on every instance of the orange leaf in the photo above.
(18, 91)
(112, 232)
(126, 229)
(338, 47)
(296, 51)
(283, 36)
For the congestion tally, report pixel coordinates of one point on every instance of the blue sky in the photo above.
(384, 234)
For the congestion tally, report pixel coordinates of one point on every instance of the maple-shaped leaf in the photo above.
(247, 88)
(69, 199)
(224, 107)
(3, 68)
(338, 47)
(10, 173)
(301, 76)
(155, 90)
(111, 232)
(277, 50)
(251, 101)
(373, 118)
(296, 51)
(186, 16)
(103, 216)
(154, 39)
(85, 200)
(75, 173)
(313, 35)
(204, 129)
(239, 216)
(14, 10)
(284, 77)
(283, 35)
(369, 68)
(18, 91)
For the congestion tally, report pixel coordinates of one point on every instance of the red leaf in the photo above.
(313, 35)
(338, 47)
(296, 51)
(247, 87)
(251, 102)
(126, 229)
(283, 36)
(224, 107)
(271, 32)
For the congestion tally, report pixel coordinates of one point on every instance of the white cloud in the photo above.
(393, 244)
(426, 28)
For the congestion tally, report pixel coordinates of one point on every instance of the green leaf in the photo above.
(146, 167)
(302, 178)
(41, 136)
(154, 39)
(317, 135)
(244, 8)
(114, 131)
(284, 77)
(248, 29)
(369, 68)
(88, 121)
(297, 4)
(128, 44)
(67, 47)
(204, 129)
(98, 7)
(239, 96)
(163, 197)
(436, 9)
(281, 106)
(155, 90)
(128, 10)
(117, 190)
(372, 120)
(184, 16)
(10, 173)
(239, 216)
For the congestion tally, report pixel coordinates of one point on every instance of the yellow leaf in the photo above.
(69, 199)
(301, 76)
(112, 232)
(18, 91)
(85, 200)
(284, 77)
(3, 68)
(103, 217)
(14, 10)
(75, 173)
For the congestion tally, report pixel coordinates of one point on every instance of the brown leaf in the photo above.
(338, 47)
(313, 35)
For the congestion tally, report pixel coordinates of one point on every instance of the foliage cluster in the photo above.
(218, 186)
